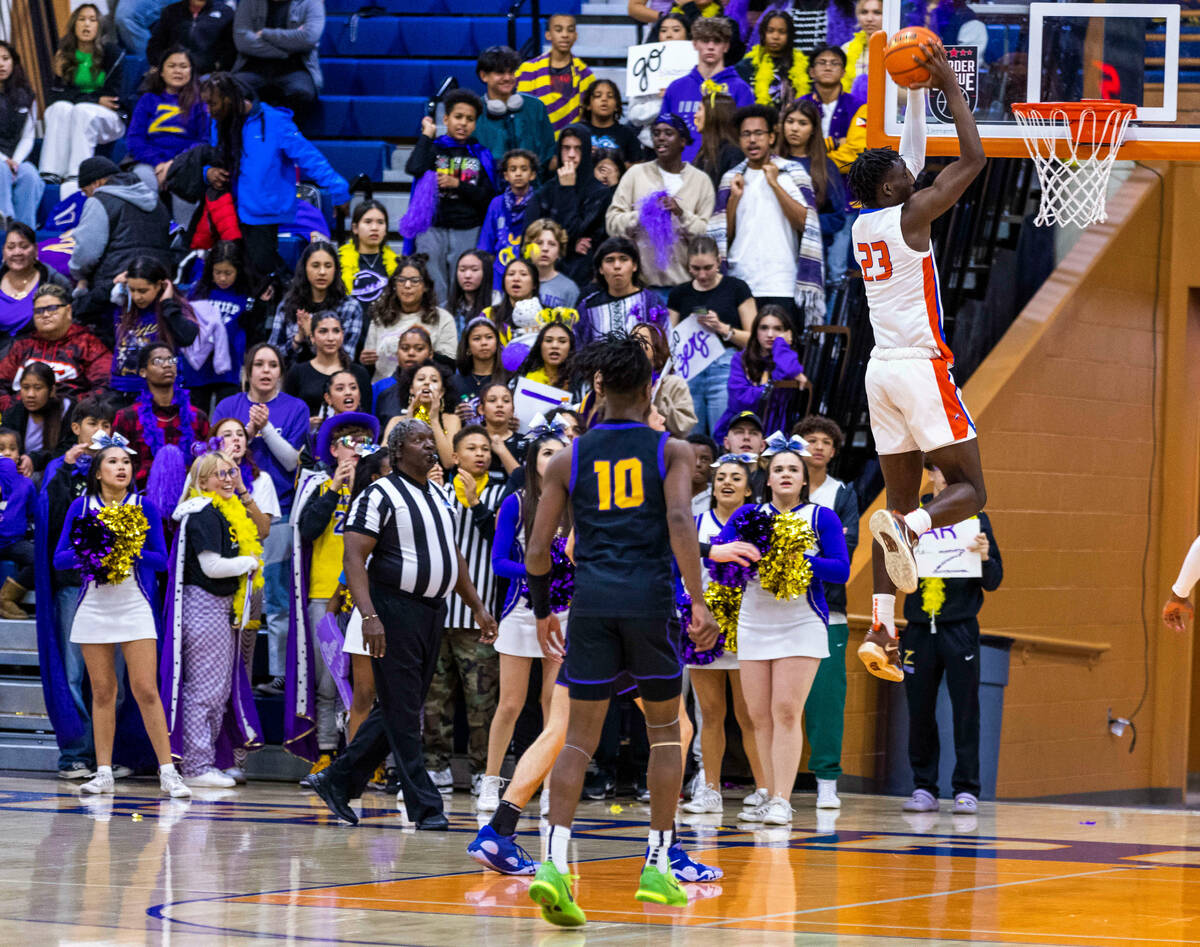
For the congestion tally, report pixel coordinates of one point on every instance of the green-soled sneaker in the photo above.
(551, 890)
(660, 888)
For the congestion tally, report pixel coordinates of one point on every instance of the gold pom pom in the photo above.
(785, 571)
(725, 603)
(128, 526)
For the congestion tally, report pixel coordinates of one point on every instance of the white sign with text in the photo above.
(694, 348)
(652, 67)
(531, 398)
(945, 552)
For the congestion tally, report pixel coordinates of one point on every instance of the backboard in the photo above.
(1144, 54)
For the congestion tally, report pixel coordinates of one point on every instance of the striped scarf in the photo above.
(809, 290)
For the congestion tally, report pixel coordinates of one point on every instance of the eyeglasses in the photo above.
(409, 280)
(162, 361)
(46, 310)
(228, 474)
(755, 133)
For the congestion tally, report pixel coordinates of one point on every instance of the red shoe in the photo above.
(880, 652)
(898, 542)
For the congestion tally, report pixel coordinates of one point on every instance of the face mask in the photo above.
(512, 104)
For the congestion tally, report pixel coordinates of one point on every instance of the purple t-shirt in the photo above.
(290, 416)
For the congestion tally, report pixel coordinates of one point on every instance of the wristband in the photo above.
(705, 550)
(539, 594)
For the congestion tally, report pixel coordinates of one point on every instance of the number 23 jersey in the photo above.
(619, 511)
(901, 284)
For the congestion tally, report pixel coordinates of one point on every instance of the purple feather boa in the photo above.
(562, 576)
(657, 221)
(683, 605)
(422, 207)
(754, 528)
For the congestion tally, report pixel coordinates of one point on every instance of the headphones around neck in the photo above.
(512, 104)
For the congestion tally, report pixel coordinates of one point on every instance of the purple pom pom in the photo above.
(92, 541)
(513, 355)
(168, 474)
(755, 528)
(562, 576)
(683, 605)
(422, 207)
(656, 219)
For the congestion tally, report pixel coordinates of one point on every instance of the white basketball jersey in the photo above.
(901, 284)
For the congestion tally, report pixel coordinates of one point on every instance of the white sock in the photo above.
(659, 846)
(104, 770)
(560, 839)
(167, 769)
(918, 520)
(883, 612)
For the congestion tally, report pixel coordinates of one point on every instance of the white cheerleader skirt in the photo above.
(354, 636)
(769, 628)
(518, 632)
(113, 614)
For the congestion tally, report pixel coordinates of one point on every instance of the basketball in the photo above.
(903, 58)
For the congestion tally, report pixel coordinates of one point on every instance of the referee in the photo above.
(405, 525)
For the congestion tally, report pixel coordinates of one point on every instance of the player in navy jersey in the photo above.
(629, 488)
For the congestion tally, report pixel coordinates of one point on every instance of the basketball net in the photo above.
(1073, 167)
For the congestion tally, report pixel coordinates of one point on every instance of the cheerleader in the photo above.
(216, 570)
(111, 522)
(731, 491)
(781, 641)
(517, 642)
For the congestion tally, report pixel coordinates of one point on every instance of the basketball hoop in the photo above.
(1073, 146)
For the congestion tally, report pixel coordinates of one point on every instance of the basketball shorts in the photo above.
(914, 404)
(602, 653)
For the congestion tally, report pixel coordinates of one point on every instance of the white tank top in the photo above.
(901, 284)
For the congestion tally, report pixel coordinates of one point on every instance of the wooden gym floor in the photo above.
(267, 861)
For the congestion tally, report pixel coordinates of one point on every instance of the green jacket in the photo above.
(528, 127)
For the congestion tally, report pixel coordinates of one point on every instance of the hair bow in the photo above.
(777, 443)
(102, 441)
(750, 459)
(540, 427)
(200, 448)
(563, 315)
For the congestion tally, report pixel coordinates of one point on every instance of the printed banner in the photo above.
(531, 398)
(694, 348)
(964, 60)
(652, 67)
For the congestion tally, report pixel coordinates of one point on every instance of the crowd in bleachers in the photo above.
(244, 400)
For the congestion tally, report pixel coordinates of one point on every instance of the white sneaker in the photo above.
(777, 812)
(399, 798)
(211, 779)
(237, 774)
(443, 780)
(476, 781)
(697, 785)
(171, 784)
(100, 783)
(120, 772)
(489, 793)
(827, 797)
(544, 802)
(759, 797)
(706, 800)
(754, 814)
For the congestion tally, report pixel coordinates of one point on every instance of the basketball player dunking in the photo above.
(916, 409)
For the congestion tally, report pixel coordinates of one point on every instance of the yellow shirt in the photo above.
(327, 550)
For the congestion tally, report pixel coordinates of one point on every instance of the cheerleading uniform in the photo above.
(108, 613)
(770, 628)
(709, 528)
(518, 626)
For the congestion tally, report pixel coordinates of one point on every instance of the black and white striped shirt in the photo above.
(413, 526)
(474, 530)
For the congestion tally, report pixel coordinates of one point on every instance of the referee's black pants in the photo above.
(931, 651)
(412, 630)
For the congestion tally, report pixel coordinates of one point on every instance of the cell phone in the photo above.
(699, 311)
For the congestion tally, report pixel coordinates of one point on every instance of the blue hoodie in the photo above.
(683, 96)
(17, 493)
(158, 129)
(272, 150)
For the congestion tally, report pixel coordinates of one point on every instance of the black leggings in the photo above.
(20, 554)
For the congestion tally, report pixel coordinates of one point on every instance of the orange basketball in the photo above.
(903, 58)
